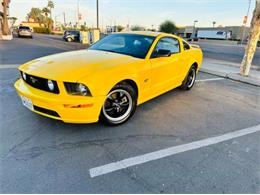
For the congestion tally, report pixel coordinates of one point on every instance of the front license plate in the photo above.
(27, 102)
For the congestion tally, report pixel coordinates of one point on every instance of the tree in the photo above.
(12, 20)
(119, 28)
(6, 29)
(49, 23)
(83, 27)
(252, 41)
(137, 28)
(50, 6)
(36, 15)
(214, 23)
(168, 27)
(46, 12)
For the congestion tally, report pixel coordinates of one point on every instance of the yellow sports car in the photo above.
(109, 79)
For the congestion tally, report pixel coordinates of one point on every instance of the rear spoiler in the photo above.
(195, 46)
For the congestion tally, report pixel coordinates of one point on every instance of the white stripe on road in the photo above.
(212, 79)
(9, 66)
(115, 166)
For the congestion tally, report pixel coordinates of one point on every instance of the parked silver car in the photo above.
(25, 31)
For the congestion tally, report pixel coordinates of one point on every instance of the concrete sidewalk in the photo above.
(230, 70)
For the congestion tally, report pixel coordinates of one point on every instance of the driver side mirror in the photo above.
(162, 53)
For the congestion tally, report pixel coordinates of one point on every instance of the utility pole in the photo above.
(194, 28)
(78, 14)
(56, 21)
(64, 18)
(245, 22)
(252, 41)
(97, 15)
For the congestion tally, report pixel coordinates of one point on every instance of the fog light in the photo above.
(50, 85)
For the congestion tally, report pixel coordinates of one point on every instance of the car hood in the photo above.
(72, 66)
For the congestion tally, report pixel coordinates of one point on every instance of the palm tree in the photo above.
(50, 6)
(214, 23)
(46, 12)
(6, 30)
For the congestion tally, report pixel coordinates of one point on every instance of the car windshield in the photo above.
(128, 44)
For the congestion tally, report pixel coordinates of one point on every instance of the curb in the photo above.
(230, 64)
(6, 66)
(233, 76)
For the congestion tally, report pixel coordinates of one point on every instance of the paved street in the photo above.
(41, 45)
(26, 49)
(230, 53)
(41, 155)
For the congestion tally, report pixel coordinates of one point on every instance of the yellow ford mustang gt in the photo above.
(108, 80)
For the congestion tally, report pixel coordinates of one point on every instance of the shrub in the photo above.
(168, 27)
(137, 28)
(42, 30)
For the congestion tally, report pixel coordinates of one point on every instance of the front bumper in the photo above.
(47, 104)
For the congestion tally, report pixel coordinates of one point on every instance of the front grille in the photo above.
(40, 83)
(46, 111)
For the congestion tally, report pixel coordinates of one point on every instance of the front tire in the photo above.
(190, 78)
(119, 106)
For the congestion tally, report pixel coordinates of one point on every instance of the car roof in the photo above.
(147, 33)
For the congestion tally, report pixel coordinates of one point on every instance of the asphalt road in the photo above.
(21, 50)
(41, 45)
(41, 155)
(230, 53)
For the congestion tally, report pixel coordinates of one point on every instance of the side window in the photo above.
(185, 45)
(168, 43)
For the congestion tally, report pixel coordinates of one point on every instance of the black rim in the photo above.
(117, 105)
(191, 77)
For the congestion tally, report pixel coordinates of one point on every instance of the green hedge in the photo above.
(41, 30)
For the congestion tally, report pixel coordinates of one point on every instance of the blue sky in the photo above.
(144, 12)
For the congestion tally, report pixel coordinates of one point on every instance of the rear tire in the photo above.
(119, 106)
(190, 78)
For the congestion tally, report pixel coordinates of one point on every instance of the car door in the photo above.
(166, 70)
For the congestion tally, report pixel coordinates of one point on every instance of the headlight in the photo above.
(24, 75)
(77, 89)
(83, 89)
(50, 85)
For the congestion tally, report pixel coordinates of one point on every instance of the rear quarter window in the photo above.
(186, 46)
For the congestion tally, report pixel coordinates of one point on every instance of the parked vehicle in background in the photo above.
(25, 31)
(71, 35)
(214, 34)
